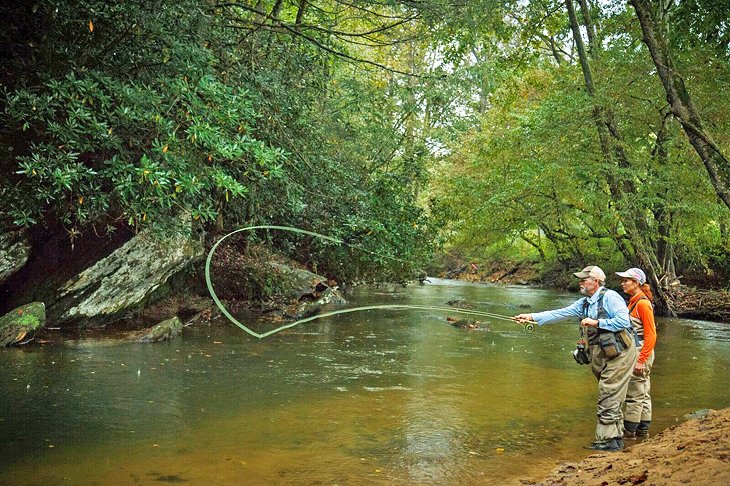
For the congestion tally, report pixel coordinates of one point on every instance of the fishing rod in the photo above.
(230, 317)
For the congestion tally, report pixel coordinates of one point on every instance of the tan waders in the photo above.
(613, 382)
(638, 399)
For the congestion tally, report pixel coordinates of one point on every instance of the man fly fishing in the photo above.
(611, 352)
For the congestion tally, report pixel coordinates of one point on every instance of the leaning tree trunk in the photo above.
(716, 164)
(613, 152)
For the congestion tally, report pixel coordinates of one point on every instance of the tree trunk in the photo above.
(663, 215)
(535, 245)
(300, 14)
(716, 164)
(590, 30)
(276, 10)
(614, 154)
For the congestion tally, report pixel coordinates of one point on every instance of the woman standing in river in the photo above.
(638, 400)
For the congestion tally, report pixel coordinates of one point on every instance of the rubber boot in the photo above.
(610, 445)
(643, 429)
(630, 429)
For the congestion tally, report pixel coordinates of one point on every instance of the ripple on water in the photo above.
(710, 331)
(365, 370)
(398, 398)
(386, 388)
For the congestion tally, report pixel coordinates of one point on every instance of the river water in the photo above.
(377, 397)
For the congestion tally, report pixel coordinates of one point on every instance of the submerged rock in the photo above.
(468, 324)
(14, 251)
(698, 414)
(19, 325)
(167, 329)
(460, 303)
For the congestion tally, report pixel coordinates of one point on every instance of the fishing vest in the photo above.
(636, 322)
(592, 332)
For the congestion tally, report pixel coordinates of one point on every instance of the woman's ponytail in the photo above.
(647, 291)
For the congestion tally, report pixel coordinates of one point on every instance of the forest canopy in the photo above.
(553, 132)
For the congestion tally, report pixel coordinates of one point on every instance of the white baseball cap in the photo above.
(634, 273)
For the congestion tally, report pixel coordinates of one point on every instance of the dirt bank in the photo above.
(689, 302)
(696, 452)
(505, 272)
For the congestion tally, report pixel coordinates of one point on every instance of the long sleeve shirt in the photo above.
(642, 309)
(614, 305)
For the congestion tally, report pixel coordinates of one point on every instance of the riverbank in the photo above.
(695, 452)
(687, 301)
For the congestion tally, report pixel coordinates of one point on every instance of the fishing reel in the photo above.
(528, 326)
(580, 354)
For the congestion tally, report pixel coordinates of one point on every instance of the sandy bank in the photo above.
(696, 452)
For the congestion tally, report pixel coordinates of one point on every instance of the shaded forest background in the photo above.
(548, 133)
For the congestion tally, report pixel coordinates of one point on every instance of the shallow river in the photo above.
(383, 397)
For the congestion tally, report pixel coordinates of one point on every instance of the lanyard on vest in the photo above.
(600, 313)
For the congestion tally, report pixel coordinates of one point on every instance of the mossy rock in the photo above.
(166, 329)
(460, 303)
(19, 325)
(305, 309)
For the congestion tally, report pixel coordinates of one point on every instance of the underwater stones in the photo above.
(698, 414)
(19, 325)
(468, 324)
(460, 303)
(14, 251)
(166, 329)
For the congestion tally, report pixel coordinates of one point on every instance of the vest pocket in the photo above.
(625, 339)
(609, 344)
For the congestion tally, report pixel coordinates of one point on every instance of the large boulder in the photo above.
(14, 251)
(19, 325)
(125, 279)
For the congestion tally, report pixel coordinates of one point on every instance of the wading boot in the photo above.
(630, 429)
(610, 445)
(642, 431)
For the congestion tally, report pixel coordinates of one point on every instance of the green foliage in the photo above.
(531, 180)
(140, 113)
(100, 148)
(299, 114)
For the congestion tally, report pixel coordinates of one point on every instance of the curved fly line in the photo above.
(230, 317)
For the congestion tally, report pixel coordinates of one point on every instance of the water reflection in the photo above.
(377, 397)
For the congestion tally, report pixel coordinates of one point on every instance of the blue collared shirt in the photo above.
(613, 304)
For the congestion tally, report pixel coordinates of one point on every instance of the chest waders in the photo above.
(612, 343)
(636, 322)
